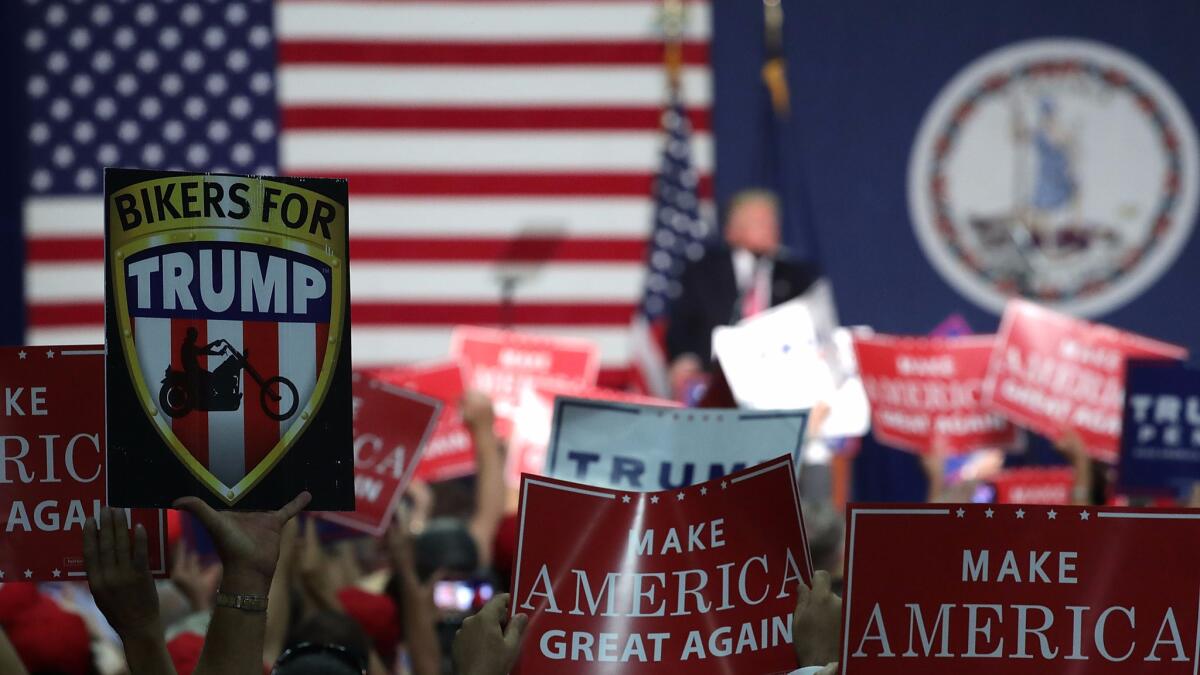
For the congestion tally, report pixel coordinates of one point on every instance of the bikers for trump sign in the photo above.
(698, 580)
(228, 336)
(1014, 590)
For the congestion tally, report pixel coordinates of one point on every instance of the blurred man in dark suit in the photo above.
(746, 275)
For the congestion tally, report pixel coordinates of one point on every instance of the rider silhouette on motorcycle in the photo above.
(204, 383)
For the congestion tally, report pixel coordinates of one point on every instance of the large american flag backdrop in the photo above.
(488, 144)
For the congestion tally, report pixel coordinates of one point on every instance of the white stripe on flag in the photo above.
(515, 86)
(152, 340)
(633, 151)
(227, 428)
(389, 345)
(619, 217)
(480, 21)
(298, 363)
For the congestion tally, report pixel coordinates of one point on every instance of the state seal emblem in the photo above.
(1061, 170)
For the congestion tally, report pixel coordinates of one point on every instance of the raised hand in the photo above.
(477, 412)
(484, 645)
(816, 623)
(247, 541)
(119, 575)
(197, 581)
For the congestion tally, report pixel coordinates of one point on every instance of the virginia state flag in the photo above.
(948, 155)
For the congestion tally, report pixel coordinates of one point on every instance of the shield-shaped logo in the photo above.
(229, 297)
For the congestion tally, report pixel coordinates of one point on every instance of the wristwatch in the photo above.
(246, 603)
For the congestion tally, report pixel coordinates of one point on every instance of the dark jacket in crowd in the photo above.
(711, 298)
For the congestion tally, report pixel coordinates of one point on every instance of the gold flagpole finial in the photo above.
(673, 20)
(774, 70)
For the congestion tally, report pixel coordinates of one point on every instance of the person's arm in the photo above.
(485, 645)
(816, 623)
(248, 545)
(279, 598)
(10, 661)
(124, 591)
(489, 473)
(1071, 446)
(417, 614)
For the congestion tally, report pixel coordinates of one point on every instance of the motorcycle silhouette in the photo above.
(218, 391)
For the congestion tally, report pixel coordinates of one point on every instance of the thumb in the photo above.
(208, 515)
(515, 630)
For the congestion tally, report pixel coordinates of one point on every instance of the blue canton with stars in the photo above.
(679, 232)
(153, 84)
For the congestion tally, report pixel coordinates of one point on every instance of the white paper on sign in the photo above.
(794, 356)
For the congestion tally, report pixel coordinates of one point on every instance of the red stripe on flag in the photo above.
(482, 118)
(410, 313)
(524, 314)
(260, 345)
(406, 249)
(525, 249)
(615, 184)
(485, 54)
(192, 428)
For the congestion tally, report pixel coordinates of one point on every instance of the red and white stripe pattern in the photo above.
(231, 443)
(478, 136)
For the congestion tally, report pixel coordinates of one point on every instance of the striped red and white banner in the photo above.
(487, 143)
(230, 443)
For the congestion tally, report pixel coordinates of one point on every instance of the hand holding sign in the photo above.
(816, 623)
(485, 645)
(247, 542)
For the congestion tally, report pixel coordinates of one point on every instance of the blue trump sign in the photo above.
(1160, 442)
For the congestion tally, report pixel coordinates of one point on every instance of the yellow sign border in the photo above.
(229, 494)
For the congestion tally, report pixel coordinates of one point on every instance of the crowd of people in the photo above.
(282, 596)
(286, 593)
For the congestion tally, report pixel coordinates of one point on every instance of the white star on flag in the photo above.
(960, 512)
(1020, 514)
(56, 573)
(679, 496)
(625, 499)
(654, 499)
(1052, 514)
(49, 353)
(28, 574)
(1084, 515)
(724, 484)
(703, 490)
(989, 513)
(21, 354)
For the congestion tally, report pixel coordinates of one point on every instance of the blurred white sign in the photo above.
(795, 356)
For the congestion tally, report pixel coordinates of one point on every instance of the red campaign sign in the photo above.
(52, 463)
(391, 429)
(502, 363)
(700, 580)
(535, 417)
(450, 452)
(925, 392)
(1035, 486)
(1051, 372)
(1013, 590)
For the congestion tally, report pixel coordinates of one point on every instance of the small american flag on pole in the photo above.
(677, 237)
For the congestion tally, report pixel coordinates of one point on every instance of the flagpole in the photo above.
(774, 71)
(674, 15)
